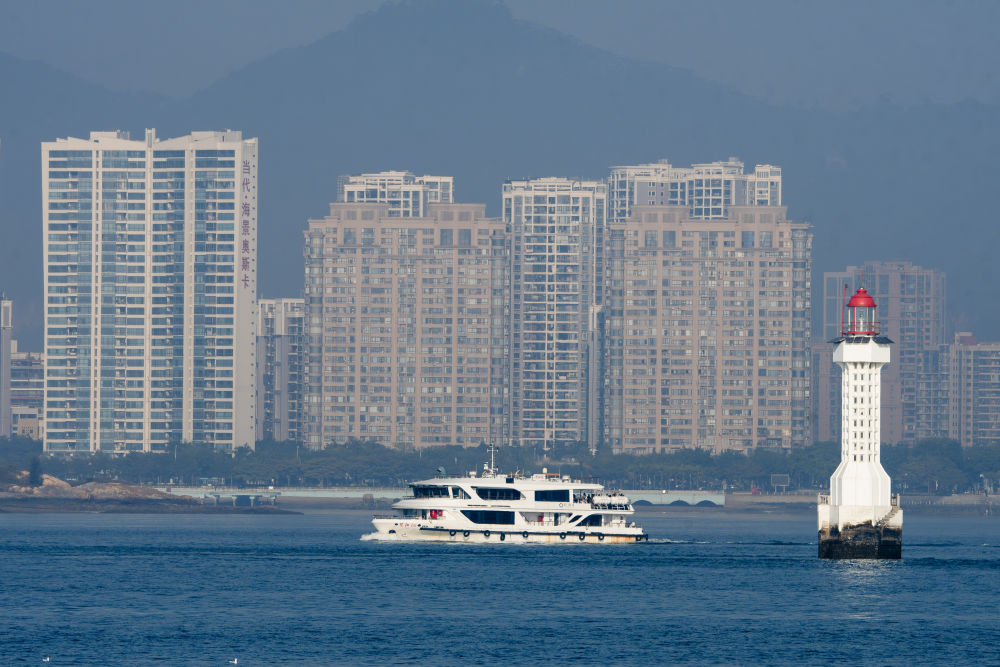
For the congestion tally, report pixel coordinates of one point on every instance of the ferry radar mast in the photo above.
(490, 468)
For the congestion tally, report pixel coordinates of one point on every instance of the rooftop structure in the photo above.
(405, 195)
(707, 190)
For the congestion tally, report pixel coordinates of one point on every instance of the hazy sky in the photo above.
(835, 54)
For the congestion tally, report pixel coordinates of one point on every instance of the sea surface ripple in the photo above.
(711, 587)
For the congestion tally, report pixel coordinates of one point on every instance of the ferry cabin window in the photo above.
(430, 492)
(592, 520)
(497, 494)
(489, 516)
(458, 492)
(552, 496)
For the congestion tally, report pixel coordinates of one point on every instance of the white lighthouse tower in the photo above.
(860, 518)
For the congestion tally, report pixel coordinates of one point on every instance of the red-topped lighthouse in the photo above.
(860, 518)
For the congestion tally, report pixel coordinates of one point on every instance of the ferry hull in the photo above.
(416, 532)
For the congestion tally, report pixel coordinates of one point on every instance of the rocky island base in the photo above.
(861, 541)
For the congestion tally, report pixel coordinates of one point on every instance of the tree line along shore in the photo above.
(932, 467)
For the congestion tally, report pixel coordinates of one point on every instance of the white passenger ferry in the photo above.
(493, 507)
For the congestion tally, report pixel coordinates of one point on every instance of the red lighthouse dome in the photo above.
(860, 317)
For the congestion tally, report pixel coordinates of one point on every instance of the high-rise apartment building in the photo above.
(6, 328)
(707, 190)
(405, 195)
(911, 309)
(974, 401)
(27, 392)
(825, 392)
(406, 318)
(958, 391)
(932, 418)
(706, 330)
(555, 227)
(281, 347)
(150, 266)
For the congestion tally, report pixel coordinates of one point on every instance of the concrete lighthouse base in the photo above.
(861, 541)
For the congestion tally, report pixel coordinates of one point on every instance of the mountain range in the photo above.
(456, 87)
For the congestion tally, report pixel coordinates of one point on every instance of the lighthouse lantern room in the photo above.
(860, 317)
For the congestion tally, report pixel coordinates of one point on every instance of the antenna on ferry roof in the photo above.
(491, 466)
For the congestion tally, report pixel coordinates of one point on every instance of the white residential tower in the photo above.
(150, 266)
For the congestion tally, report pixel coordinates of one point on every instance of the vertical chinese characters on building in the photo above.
(246, 194)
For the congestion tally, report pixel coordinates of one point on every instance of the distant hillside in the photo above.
(39, 103)
(460, 87)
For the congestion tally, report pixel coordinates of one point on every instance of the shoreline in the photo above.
(761, 506)
(35, 505)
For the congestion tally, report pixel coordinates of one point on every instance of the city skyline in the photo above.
(714, 192)
(717, 194)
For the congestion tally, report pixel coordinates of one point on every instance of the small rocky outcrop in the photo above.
(121, 491)
(53, 487)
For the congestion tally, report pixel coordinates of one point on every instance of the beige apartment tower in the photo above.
(706, 330)
(974, 400)
(406, 322)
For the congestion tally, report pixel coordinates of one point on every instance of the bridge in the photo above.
(677, 497)
(236, 497)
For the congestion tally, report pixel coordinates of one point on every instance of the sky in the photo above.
(813, 54)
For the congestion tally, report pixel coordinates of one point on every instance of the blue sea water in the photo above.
(711, 587)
